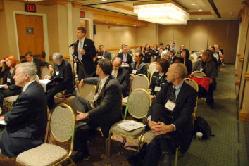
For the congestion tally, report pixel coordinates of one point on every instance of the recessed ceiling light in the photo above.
(193, 4)
(200, 10)
(199, 18)
(103, 0)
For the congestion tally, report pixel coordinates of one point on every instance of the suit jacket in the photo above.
(8, 78)
(87, 59)
(157, 81)
(26, 123)
(142, 68)
(108, 106)
(123, 78)
(181, 116)
(63, 76)
(188, 64)
(129, 57)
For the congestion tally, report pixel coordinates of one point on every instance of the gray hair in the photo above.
(28, 68)
(181, 69)
(57, 56)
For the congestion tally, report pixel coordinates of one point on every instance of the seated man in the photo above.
(62, 79)
(171, 120)
(26, 123)
(105, 111)
(138, 67)
(207, 65)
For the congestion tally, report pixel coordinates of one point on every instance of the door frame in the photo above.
(45, 31)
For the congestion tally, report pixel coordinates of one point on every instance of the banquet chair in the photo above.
(59, 144)
(140, 81)
(138, 105)
(8, 103)
(199, 74)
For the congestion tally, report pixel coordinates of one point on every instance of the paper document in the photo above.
(129, 125)
(2, 122)
(44, 83)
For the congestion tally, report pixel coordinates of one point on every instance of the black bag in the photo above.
(201, 125)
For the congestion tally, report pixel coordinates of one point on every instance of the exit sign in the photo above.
(30, 7)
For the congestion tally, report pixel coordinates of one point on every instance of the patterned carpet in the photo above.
(229, 146)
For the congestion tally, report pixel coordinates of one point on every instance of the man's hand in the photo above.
(81, 83)
(82, 51)
(1, 117)
(81, 116)
(161, 128)
(5, 86)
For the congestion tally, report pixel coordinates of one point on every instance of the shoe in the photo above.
(135, 160)
(79, 156)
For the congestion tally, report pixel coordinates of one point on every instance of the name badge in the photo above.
(57, 73)
(170, 105)
(157, 88)
(8, 80)
(134, 71)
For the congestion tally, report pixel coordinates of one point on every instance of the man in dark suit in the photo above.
(122, 75)
(62, 79)
(102, 53)
(84, 53)
(38, 62)
(125, 57)
(171, 119)
(105, 111)
(26, 123)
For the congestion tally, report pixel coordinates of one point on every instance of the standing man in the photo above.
(84, 53)
(125, 56)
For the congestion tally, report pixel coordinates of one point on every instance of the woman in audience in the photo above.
(187, 61)
(159, 78)
(138, 67)
(8, 88)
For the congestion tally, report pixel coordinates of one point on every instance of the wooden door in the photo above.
(30, 34)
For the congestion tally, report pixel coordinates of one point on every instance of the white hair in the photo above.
(57, 56)
(28, 68)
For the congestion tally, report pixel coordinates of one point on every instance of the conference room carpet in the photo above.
(229, 146)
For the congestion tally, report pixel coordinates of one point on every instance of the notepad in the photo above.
(3, 123)
(129, 125)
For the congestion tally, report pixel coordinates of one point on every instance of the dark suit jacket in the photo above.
(87, 59)
(8, 79)
(123, 78)
(108, 106)
(64, 76)
(182, 113)
(26, 123)
(129, 58)
(157, 81)
(188, 64)
(142, 68)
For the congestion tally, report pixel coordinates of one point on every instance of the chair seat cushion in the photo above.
(117, 130)
(43, 155)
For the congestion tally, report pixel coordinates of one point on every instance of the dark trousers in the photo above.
(209, 95)
(52, 92)
(6, 93)
(81, 72)
(160, 145)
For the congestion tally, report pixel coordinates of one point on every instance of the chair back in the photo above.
(192, 83)
(199, 74)
(140, 81)
(62, 125)
(87, 91)
(138, 103)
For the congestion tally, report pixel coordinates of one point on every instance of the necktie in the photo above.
(124, 57)
(80, 47)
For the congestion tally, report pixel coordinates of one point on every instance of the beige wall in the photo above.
(197, 35)
(57, 27)
(147, 35)
(113, 36)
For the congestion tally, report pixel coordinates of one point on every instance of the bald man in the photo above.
(171, 120)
